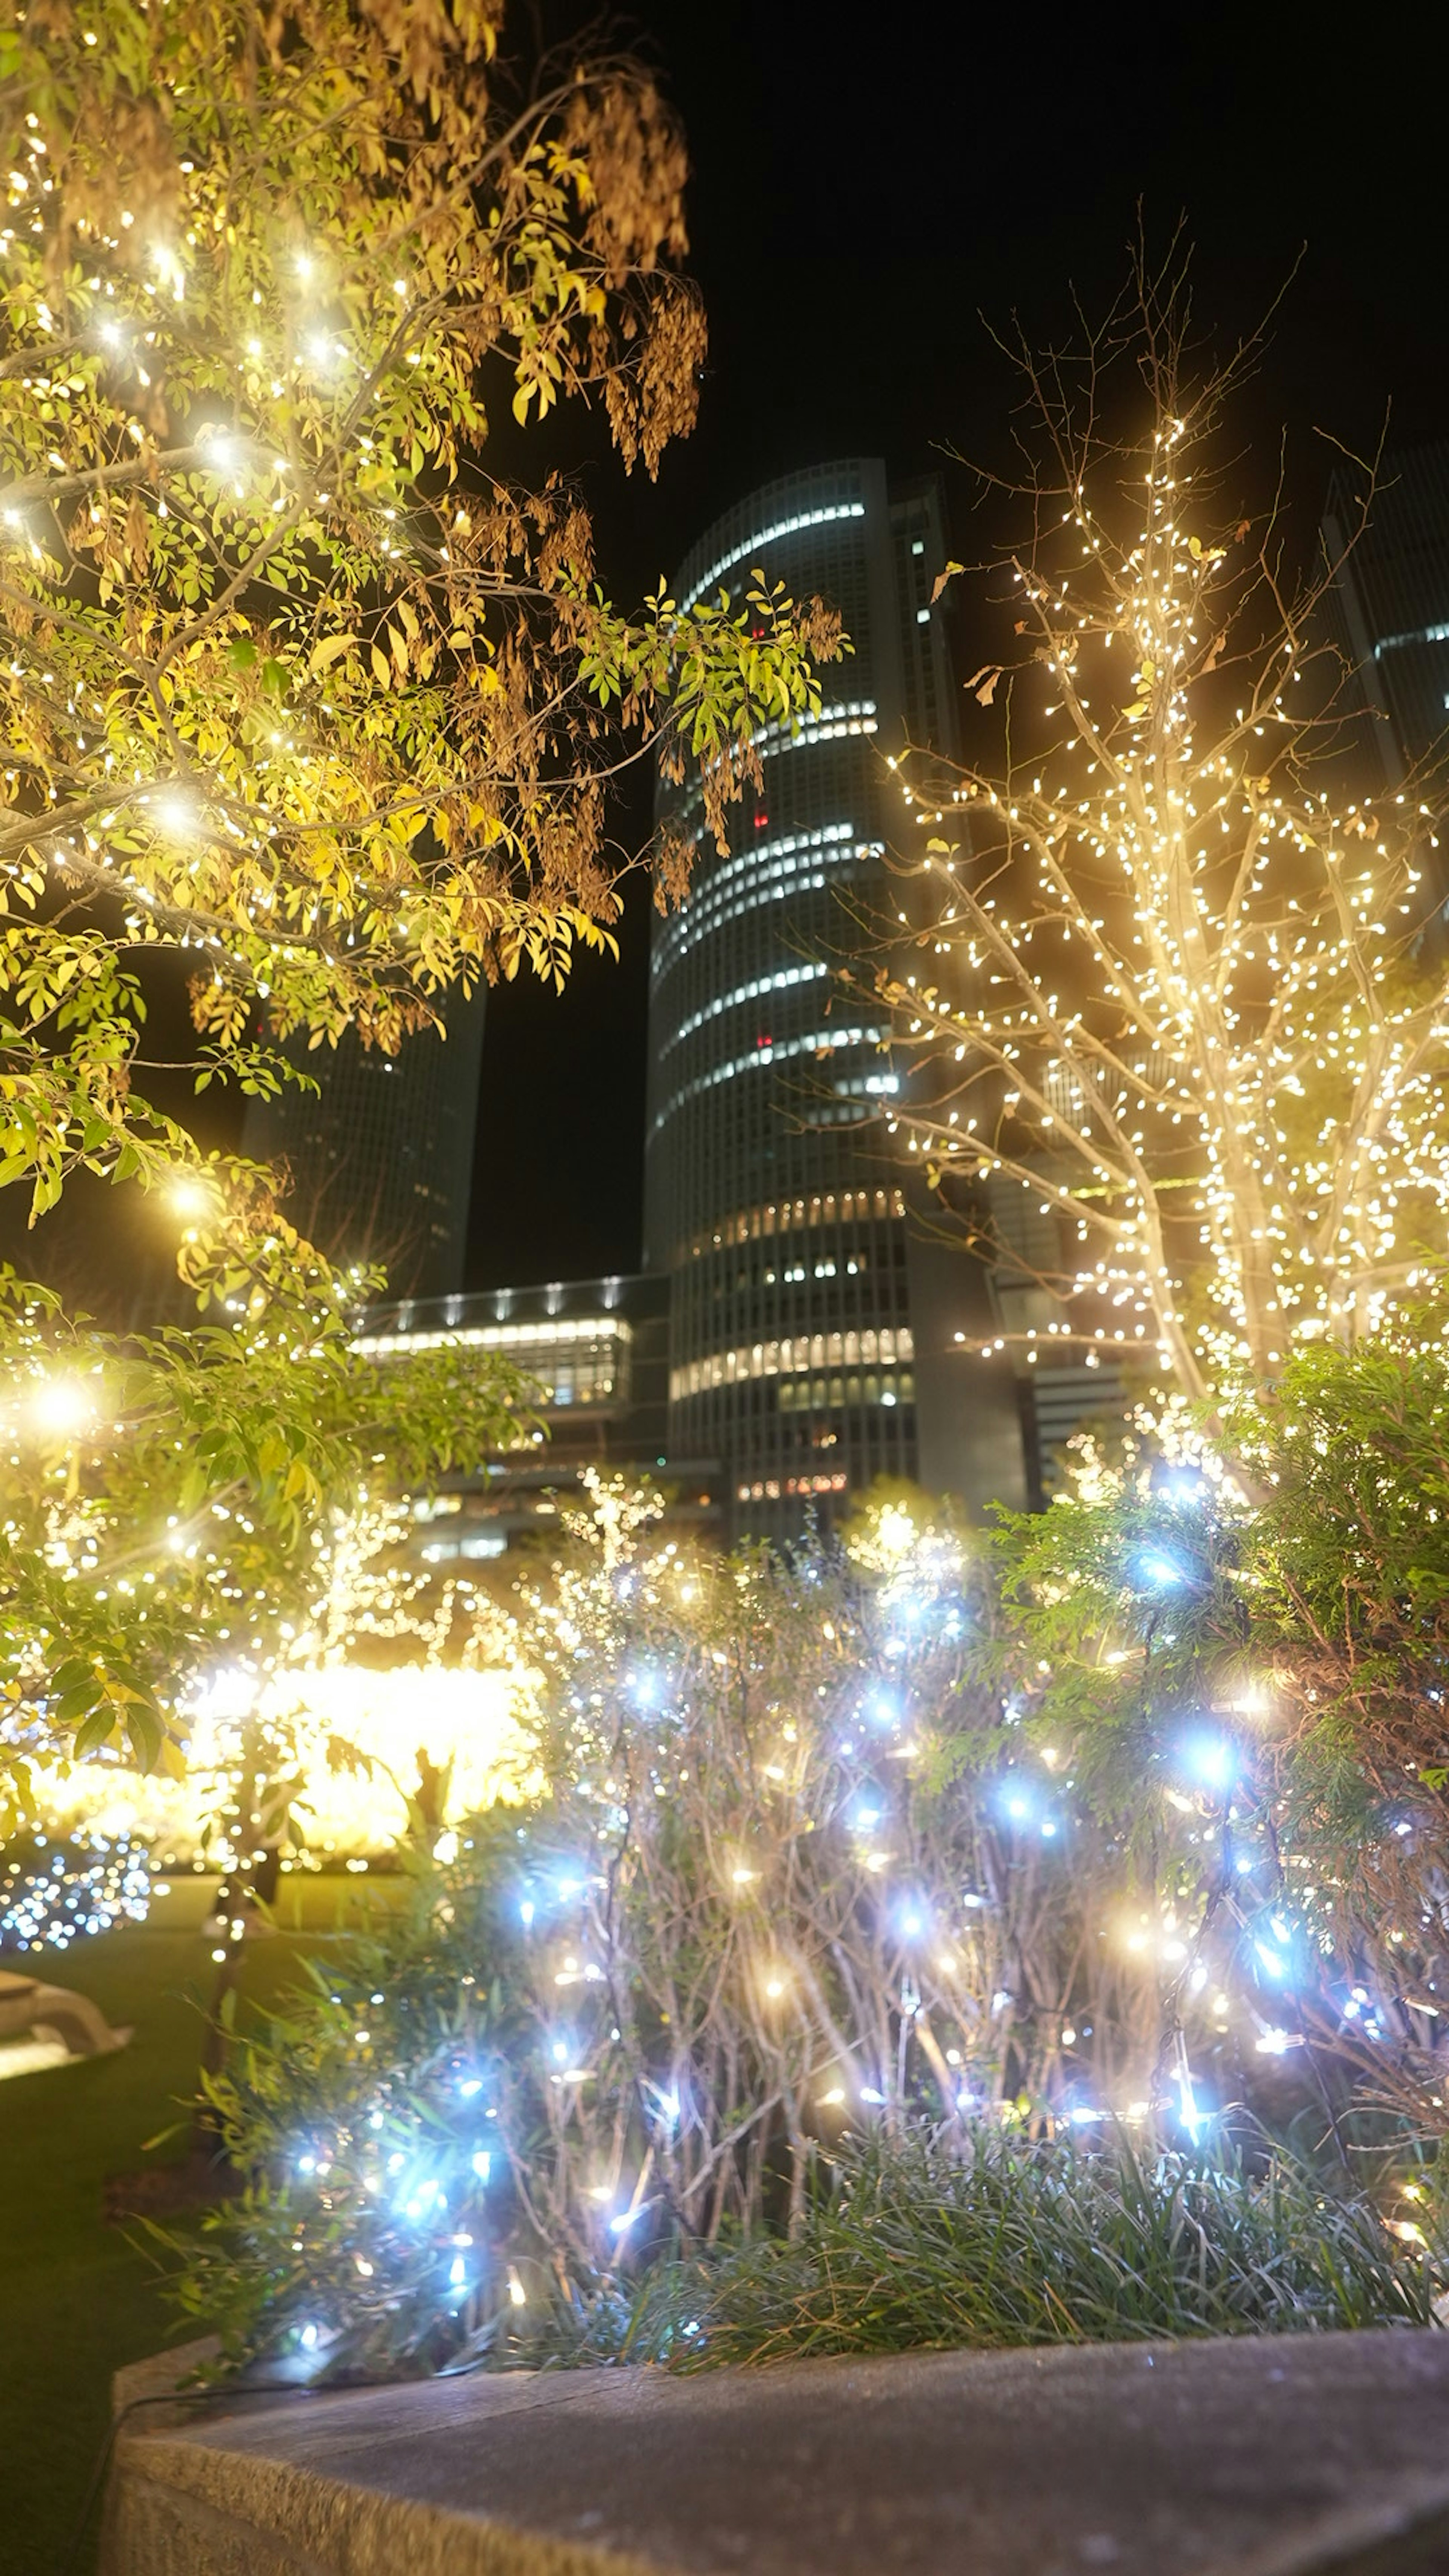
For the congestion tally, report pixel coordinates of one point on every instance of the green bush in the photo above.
(906, 1840)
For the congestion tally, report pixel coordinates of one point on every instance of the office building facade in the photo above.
(814, 1328)
(1391, 593)
(380, 1154)
(596, 1353)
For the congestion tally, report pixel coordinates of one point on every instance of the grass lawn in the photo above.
(76, 2298)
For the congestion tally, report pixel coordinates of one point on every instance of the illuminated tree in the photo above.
(183, 1501)
(300, 686)
(307, 699)
(1179, 1054)
(1176, 998)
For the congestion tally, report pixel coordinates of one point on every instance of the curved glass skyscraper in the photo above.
(813, 1330)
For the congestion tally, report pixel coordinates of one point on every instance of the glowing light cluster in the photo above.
(1176, 1001)
(753, 1903)
(61, 1892)
(351, 1733)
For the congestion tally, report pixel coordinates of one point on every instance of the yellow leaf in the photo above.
(328, 650)
(381, 668)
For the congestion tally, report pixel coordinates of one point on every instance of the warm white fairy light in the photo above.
(310, 1720)
(275, 697)
(352, 1734)
(1174, 995)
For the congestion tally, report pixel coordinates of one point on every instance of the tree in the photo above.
(300, 688)
(1177, 993)
(306, 699)
(174, 1502)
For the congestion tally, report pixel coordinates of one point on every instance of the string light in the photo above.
(741, 1904)
(1177, 982)
(399, 787)
(348, 1734)
(63, 1892)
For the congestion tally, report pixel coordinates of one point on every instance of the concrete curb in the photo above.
(1244, 2456)
(179, 2509)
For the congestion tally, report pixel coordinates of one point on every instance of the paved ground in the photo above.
(1260, 2457)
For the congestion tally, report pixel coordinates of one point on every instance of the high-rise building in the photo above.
(381, 1153)
(816, 1333)
(1392, 596)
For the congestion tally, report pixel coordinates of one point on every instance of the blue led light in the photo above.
(1211, 1758)
(1158, 1570)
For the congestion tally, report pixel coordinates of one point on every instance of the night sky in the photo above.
(865, 191)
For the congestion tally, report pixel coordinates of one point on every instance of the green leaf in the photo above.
(96, 1731)
(144, 1728)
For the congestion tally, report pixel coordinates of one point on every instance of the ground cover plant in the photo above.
(912, 2244)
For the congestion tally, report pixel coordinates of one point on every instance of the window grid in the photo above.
(790, 1311)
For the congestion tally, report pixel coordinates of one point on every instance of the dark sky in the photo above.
(864, 191)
